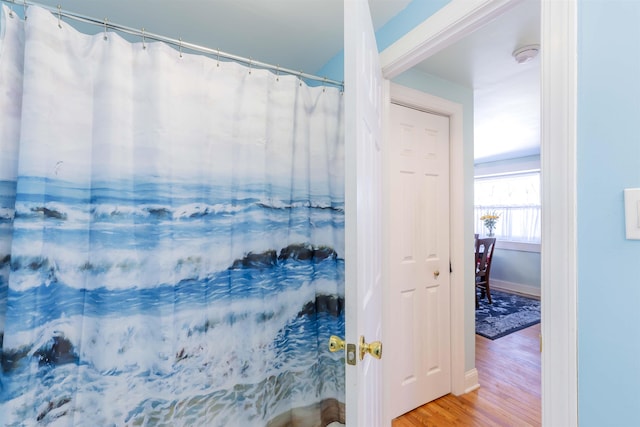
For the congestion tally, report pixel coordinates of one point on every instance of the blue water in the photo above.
(154, 303)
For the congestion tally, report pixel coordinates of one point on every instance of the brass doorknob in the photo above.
(436, 274)
(374, 348)
(335, 344)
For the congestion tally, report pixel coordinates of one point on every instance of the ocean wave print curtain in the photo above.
(171, 236)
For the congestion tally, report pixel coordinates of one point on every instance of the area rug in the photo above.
(508, 313)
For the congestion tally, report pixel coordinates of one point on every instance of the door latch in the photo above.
(337, 344)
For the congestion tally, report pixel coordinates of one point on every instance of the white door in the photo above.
(363, 261)
(419, 342)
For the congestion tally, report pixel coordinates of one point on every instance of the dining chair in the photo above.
(484, 256)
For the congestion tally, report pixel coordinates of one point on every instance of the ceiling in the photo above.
(506, 94)
(282, 32)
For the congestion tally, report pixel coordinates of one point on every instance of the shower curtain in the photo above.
(171, 236)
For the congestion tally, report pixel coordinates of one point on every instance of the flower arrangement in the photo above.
(490, 220)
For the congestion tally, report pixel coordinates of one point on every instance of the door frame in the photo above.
(461, 381)
(456, 20)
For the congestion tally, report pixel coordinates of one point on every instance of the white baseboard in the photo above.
(471, 380)
(518, 288)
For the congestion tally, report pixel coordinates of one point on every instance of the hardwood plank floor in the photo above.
(509, 393)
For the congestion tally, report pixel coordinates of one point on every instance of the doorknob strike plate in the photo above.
(351, 354)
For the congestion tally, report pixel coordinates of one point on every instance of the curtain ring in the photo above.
(24, 5)
(10, 11)
(300, 77)
(324, 84)
(250, 64)
(104, 37)
(218, 58)
(180, 48)
(59, 17)
(278, 72)
(144, 46)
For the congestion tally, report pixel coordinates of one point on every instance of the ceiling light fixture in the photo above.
(526, 53)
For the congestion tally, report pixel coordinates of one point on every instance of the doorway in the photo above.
(517, 75)
(558, 139)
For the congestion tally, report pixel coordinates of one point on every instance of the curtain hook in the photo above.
(218, 58)
(104, 37)
(300, 77)
(250, 64)
(144, 46)
(278, 72)
(180, 48)
(59, 17)
(324, 84)
(10, 11)
(24, 5)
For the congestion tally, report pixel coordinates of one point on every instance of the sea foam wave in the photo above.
(7, 214)
(34, 265)
(170, 356)
(114, 212)
(120, 343)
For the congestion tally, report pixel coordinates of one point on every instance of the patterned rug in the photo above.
(508, 313)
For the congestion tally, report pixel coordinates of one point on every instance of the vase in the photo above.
(490, 233)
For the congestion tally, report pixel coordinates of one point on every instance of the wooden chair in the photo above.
(484, 256)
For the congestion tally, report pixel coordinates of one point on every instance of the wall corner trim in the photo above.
(471, 380)
(518, 288)
(559, 212)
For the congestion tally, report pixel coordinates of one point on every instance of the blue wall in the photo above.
(516, 266)
(407, 19)
(608, 264)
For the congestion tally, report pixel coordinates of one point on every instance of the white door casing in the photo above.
(363, 212)
(419, 346)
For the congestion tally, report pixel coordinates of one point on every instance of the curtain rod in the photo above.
(177, 43)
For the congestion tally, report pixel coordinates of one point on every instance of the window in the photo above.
(516, 198)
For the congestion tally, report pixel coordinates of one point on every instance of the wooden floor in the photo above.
(509, 393)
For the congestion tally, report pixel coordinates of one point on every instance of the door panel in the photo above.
(363, 213)
(419, 259)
